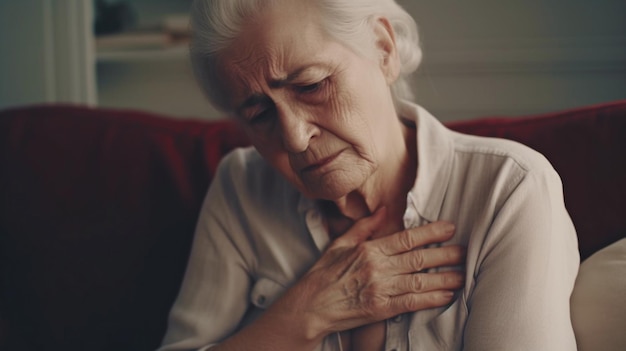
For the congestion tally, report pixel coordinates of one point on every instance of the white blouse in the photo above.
(257, 235)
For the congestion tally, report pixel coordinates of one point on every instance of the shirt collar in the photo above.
(309, 210)
(435, 151)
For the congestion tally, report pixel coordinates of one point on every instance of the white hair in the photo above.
(215, 24)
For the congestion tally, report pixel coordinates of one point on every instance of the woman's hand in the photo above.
(359, 281)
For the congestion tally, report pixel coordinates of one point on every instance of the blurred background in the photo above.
(481, 57)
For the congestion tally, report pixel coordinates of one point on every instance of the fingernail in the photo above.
(449, 228)
(448, 295)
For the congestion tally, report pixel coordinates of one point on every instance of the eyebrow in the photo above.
(257, 98)
(252, 100)
(294, 75)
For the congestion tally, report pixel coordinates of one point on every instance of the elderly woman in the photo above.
(335, 231)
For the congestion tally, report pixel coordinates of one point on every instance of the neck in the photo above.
(387, 187)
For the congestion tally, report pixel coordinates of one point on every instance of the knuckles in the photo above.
(367, 253)
(418, 283)
(417, 260)
(406, 240)
(373, 303)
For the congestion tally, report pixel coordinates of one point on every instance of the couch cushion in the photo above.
(599, 300)
(97, 209)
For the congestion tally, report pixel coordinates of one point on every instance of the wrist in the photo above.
(295, 311)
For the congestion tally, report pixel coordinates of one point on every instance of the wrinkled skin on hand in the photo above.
(359, 281)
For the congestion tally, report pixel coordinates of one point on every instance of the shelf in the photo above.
(140, 46)
(180, 52)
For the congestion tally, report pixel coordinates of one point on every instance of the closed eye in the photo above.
(263, 116)
(311, 88)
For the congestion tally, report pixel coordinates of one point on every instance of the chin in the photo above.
(332, 189)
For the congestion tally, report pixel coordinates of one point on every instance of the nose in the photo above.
(296, 128)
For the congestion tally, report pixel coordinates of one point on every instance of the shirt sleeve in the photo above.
(214, 295)
(528, 264)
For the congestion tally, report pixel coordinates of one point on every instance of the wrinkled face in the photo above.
(315, 110)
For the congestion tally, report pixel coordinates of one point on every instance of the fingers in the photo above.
(419, 301)
(411, 292)
(412, 238)
(418, 260)
(425, 290)
(427, 282)
(363, 229)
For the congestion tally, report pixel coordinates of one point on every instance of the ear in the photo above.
(387, 50)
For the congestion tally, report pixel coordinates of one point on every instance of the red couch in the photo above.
(98, 207)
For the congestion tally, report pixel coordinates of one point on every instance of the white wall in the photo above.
(491, 57)
(482, 57)
(163, 85)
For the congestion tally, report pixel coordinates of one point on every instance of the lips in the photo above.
(321, 163)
